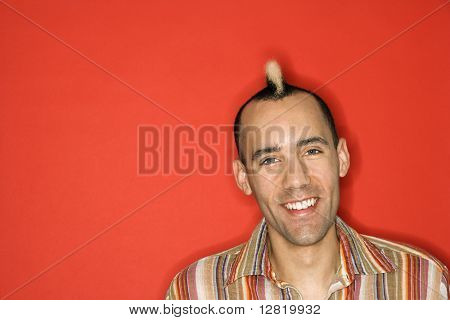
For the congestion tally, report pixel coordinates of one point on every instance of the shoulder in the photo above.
(398, 250)
(415, 264)
(201, 279)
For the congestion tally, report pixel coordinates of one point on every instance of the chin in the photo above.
(308, 236)
(304, 240)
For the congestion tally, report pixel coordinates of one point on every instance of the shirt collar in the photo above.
(358, 256)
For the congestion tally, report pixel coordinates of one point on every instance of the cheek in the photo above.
(325, 173)
(264, 188)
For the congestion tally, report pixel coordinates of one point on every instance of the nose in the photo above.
(296, 175)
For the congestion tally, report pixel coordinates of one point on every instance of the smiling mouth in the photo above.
(301, 205)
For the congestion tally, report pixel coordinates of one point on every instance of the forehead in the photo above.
(300, 112)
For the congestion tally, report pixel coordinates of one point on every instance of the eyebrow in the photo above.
(312, 140)
(300, 143)
(258, 153)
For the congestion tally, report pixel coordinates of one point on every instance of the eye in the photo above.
(269, 161)
(312, 152)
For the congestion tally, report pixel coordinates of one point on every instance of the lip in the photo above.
(301, 212)
(299, 200)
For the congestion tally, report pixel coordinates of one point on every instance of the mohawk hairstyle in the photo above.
(276, 89)
(274, 78)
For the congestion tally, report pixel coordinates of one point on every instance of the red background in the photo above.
(70, 109)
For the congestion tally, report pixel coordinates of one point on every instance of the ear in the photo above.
(343, 157)
(241, 178)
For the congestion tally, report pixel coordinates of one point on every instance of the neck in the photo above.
(311, 269)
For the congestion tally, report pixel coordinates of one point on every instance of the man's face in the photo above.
(290, 157)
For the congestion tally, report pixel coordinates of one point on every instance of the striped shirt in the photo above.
(371, 268)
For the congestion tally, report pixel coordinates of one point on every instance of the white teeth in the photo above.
(301, 205)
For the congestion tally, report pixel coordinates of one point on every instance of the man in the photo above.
(291, 160)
